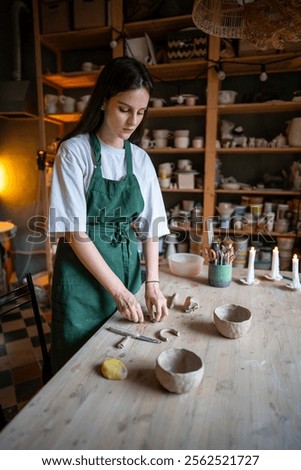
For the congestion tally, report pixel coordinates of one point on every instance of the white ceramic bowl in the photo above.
(179, 370)
(230, 186)
(232, 321)
(227, 96)
(185, 264)
(225, 211)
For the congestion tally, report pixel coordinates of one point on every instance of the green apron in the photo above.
(80, 305)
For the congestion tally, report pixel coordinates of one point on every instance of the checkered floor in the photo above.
(20, 359)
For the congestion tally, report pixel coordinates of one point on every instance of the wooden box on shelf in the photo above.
(89, 14)
(55, 16)
(188, 44)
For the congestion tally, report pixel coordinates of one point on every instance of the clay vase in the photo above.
(294, 132)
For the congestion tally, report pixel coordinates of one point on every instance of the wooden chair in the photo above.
(23, 295)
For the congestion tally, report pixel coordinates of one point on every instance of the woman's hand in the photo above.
(128, 306)
(155, 302)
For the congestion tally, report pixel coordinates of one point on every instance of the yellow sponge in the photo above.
(113, 369)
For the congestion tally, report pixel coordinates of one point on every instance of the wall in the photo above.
(20, 198)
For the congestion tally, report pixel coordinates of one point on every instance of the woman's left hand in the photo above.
(155, 302)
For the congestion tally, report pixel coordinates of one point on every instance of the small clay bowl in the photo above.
(232, 321)
(179, 370)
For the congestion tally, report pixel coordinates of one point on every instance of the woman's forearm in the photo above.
(90, 257)
(151, 257)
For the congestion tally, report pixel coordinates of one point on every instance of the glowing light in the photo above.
(17, 180)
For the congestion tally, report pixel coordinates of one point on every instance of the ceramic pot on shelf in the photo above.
(294, 132)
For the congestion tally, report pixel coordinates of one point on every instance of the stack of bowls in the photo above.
(285, 246)
(241, 248)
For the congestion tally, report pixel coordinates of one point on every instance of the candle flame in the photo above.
(295, 257)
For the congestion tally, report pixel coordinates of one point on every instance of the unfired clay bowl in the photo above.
(232, 321)
(179, 370)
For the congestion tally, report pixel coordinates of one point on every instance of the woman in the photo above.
(102, 184)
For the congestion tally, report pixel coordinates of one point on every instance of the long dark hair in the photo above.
(119, 75)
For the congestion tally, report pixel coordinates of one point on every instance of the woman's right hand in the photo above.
(128, 306)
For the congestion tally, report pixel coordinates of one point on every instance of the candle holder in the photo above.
(249, 283)
(271, 277)
(250, 279)
(275, 274)
(295, 285)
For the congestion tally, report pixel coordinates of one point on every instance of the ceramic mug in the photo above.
(166, 168)
(164, 182)
(198, 142)
(161, 133)
(80, 106)
(184, 164)
(182, 133)
(157, 102)
(87, 66)
(147, 143)
(160, 142)
(68, 103)
(181, 142)
(51, 102)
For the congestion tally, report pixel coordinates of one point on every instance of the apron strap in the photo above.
(96, 153)
(95, 144)
(128, 157)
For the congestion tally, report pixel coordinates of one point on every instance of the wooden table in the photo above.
(250, 396)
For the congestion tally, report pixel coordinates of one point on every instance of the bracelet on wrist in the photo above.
(149, 282)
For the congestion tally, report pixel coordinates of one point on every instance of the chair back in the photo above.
(18, 297)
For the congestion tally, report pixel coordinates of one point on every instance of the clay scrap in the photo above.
(190, 304)
(172, 300)
(162, 332)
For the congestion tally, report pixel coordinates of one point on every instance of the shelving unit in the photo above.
(198, 69)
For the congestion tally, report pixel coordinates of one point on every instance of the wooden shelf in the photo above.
(190, 70)
(266, 192)
(174, 151)
(276, 106)
(157, 29)
(177, 190)
(275, 63)
(63, 118)
(177, 111)
(257, 231)
(258, 150)
(81, 39)
(20, 115)
(71, 80)
(179, 70)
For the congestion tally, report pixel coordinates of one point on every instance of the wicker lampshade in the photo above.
(262, 22)
(222, 18)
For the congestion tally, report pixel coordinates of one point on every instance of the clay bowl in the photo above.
(232, 321)
(185, 264)
(179, 370)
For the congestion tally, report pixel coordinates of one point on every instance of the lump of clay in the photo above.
(113, 369)
(190, 304)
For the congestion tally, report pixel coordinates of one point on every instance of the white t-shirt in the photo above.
(72, 173)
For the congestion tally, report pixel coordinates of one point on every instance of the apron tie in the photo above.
(120, 233)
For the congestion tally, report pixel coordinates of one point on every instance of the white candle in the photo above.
(275, 263)
(296, 280)
(250, 275)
